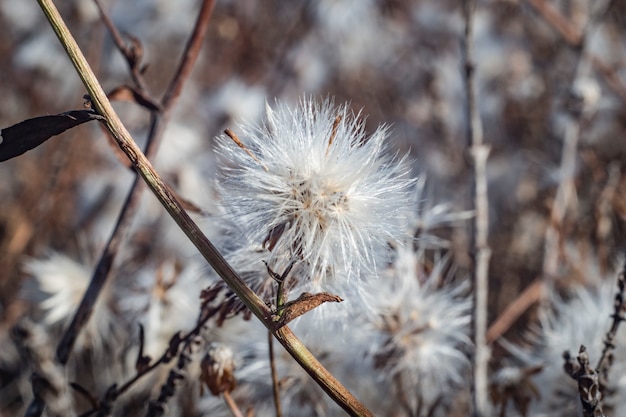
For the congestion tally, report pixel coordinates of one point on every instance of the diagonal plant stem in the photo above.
(129, 209)
(480, 250)
(112, 122)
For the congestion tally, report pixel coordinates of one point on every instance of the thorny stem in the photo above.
(480, 228)
(275, 382)
(284, 335)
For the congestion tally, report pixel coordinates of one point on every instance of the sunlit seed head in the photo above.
(312, 186)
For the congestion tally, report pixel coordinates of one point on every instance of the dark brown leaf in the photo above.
(306, 302)
(26, 135)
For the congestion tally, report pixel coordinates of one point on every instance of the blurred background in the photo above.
(557, 202)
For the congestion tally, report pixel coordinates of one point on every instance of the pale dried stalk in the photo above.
(480, 229)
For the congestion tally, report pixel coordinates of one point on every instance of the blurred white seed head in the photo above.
(581, 317)
(218, 368)
(164, 300)
(300, 395)
(60, 283)
(313, 187)
(422, 337)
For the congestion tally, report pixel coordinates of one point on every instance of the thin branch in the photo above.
(127, 213)
(190, 55)
(480, 228)
(243, 146)
(275, 382)
(99, 277)
(574, 37)
(580, 111)
(133, 52)
(49, 382)
(283, 334)
(618, 316)
(588, 382)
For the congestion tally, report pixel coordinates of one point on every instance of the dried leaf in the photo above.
(306, 302)
(26, 135)
(127, 93)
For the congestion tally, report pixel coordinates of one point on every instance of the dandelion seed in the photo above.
(318, 189)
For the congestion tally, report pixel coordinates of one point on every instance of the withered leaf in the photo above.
(128, 93)
(304, 303)
(26, 135)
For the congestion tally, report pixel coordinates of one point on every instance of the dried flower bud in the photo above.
(217, 369)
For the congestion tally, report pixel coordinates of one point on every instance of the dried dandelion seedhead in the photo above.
(310, 185)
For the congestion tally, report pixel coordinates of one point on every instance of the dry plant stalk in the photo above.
(480, 228)
(123, 138)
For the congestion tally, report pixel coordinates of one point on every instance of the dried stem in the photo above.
(243, 146)
(112, 122)
(574, 37)
(588, 382)
(50, 386)
(618, 316)
(132, 53)
(232, 406)
(480, 228)
(333, 133)
(275, 382)
(190, 55)
(579, 114)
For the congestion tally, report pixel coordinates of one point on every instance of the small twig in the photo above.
(133, 53)
(50, 387)
(514, 310)
(618, 316)
(190, 55)
(564, 194)
(99, 278)
(574, 37)
(588, 382)
(232, 405)
(333, 133)
(170, 352)
(604, 210)
(281, 292)
(579, 115)
(275, 382)
(480, 229)
(243, 146)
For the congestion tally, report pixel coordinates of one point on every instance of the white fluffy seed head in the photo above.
(422, 334)
(313, 187)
